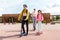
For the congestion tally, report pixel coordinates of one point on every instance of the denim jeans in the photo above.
(34, 23)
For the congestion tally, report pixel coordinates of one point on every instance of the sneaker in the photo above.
(37, 33)
(21, 34)
(25, 34)
(41, 32)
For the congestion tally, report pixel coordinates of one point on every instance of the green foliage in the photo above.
(30, 21)
(57, 17)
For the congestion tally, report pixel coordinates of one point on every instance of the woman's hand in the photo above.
(25, 19)
(18, 19)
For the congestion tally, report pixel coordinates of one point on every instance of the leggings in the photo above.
(39, 26)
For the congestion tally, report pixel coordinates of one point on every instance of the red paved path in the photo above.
(11, 32)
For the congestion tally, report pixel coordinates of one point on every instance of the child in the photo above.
(34, 14)
(39, 19)
(24, 15)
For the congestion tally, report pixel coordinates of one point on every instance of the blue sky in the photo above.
(15, 6)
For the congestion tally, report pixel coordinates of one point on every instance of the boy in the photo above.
(34, 14)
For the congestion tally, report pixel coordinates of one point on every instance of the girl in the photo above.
(39, 20)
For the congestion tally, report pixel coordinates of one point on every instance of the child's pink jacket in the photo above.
(39, 17)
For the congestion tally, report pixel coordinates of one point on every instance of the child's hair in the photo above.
(25, 5)
(39, 10)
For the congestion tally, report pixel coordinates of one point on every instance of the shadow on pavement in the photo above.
(14, 31)
(17, 31)
(2, 37)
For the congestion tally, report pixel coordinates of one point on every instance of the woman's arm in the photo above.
(27, 17)
(20, 15)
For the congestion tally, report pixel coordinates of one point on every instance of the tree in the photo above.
(57, 17)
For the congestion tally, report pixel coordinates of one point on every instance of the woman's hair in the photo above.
(34, 9)
(39, 10)
(25, 5)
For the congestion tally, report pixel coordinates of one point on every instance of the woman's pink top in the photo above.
(40, 17)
